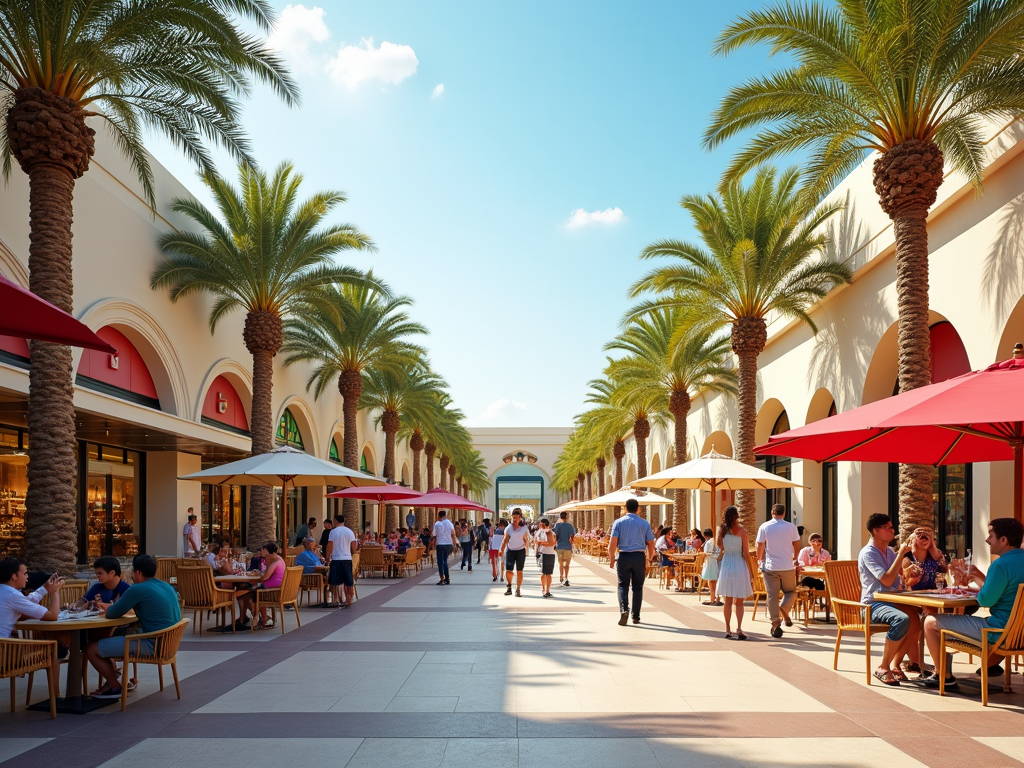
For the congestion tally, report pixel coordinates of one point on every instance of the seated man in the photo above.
(109, 585)
(814, 555)
(14, 605)
(308, 557)
(998, 592)
(880, 570)
(156, 606)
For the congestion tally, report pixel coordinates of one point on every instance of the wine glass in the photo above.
(940, 582)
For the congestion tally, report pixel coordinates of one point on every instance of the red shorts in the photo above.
(493, 555)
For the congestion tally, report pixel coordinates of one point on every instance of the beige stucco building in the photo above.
(976, 284)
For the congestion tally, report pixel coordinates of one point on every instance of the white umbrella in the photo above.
(712, 472)
(620, 497)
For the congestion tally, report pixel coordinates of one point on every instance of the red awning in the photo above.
(27, 316)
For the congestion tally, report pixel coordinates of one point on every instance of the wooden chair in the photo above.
(355, 575)
(372, 560)
(293, 550)
(842, 581)
(1009, 643)
(409, 564)
(289, 560)
(313, 583)
(691, 572)
(19, 657)
(200, 593)
(275, 599)
(165, 651)
(166, 569)
(72, 591)
(760, 591)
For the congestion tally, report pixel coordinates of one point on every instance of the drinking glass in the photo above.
(940, 582)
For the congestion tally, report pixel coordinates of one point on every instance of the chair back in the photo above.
(373, 557)
(166, 568)
(289, 560)
(195, 585)
(72, 591)
(294, 550)
(842, 581)
(165, 646)
(290, 585)
(1012, 637)
(19, 657)
(410, 557)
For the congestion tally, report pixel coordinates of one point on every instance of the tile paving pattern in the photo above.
(421, 675)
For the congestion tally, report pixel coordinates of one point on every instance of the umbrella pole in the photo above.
(1018, 479)
(714, 501)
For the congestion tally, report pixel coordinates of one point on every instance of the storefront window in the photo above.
(288, 431)
(13, 486)
(781, 466)
(295, 516)
(112, 518)
(222, 514)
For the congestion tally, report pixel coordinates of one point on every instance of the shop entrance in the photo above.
(112, 482)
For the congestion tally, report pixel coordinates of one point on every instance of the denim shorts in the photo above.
(898, 621)
(970, 626)
(113, 647)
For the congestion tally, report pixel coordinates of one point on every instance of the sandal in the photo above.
(740, 636)
(729, 636)
(898, 674)
(886, 677)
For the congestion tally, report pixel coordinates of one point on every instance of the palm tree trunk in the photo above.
(619, 453)
(749, 336)
(679, 405)
(350, 385)
(416, 444)
(451, 478)
(53, 145)
(641, 431)
(443, 463)
(430, 449)
(907, 180)
(390, 423)
(590, 484)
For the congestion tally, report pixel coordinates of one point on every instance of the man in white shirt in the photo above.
(14, 605)
(443, 537)
(778, 543)
(513, 547)
(340, 546)
(190, 544)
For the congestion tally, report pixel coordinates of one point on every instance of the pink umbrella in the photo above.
(27, 316)
(381, 494)
(442, 499)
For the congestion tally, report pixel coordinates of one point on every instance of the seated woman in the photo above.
(666, 543)
(271, 578)
(696, 540)
(813, 556)
(920, 565)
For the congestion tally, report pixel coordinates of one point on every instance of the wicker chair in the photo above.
(842, 582)
(165, 651)
(691, 572)
(409, 564)
(71, 591)
(1009, 644)
(355, 575)
(760, 591)
(313, 583)
(167, 569)
(286, 594)
(19, 657)
(199, 593)
(372, 560)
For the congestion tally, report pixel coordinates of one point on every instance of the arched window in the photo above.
(288, 431)
(783, 467)
(123, 375)
(362, 464)
(333, 454)
(830, 497)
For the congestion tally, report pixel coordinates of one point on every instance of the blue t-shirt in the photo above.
(155, 603)
(1000, 589)
(633, 532)
(308, 559)
(564, 531)
(872, 563)
(107, 595)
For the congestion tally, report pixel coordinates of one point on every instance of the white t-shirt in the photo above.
(778, 536)
(14, 605)
(341, 539)
(546, 540)
(517, 537)
(496, 537)
(443, 531)
(189, 539)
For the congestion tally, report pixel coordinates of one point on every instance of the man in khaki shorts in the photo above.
(565, 533)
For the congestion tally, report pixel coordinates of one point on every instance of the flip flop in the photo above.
(882, 675)
(729, 636)
(898, 674)
(740, 636)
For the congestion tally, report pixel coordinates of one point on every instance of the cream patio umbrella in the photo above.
(620, 497)
(712, 472)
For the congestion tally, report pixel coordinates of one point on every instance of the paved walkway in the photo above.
(422, 675)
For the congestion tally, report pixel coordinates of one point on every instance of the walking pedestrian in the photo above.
(709, 572)
(513, 547)
(483, 539)
(565, 533)
(546, 547)
(633, 540)
(443, 537)
(190, 544)
(778, 544)
(497, 534)
(466, 543)
(341, 543)
(734, 573)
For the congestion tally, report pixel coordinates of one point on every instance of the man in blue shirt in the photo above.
(565, 532)
(633, 540)
(308, 558)
(156, 605)
(109, 585)
(998, 590)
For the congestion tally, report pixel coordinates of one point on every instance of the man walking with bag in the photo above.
(778, 544)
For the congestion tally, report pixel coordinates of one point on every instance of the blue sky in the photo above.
(469, 190)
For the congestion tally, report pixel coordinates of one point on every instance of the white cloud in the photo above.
(297, 28)
(389, 63)
(502, 413)
(584, 218)
(438, 90)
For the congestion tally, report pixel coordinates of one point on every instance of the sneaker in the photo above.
(565, 583)
(440, 583)
(777, 630)
(132, 685)
(518, 593)
(471, 569)
(494, 579)
(993, 671)
(623, 618)
(448, 582)
(636, 619)
(508, 591)
(933, 682)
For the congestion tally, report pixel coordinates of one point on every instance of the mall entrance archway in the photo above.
(519, 490)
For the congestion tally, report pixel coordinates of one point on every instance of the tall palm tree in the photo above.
(623, 406)
(762, 252)
(271, 255)
(415, 428)
(915, 81)
(397, 394)
(675, 360)
(175, 66)
(361, 327)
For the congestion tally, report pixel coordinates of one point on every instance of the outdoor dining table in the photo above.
(817, 572)
(74, 702)
(681, 560)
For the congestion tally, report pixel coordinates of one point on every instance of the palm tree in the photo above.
(762, 253)
(360, 327)
(397, 394)
(175, 66)
(674, 360)
(915, 82)
(415, 427)
(270, 254)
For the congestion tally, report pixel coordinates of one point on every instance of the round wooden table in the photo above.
(75, 702)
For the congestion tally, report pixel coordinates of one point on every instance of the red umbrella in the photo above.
(442, 499)
(975, 417)
(27, 316)
(382, 494)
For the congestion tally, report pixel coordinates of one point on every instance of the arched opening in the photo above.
(124, 375)
(293, 431)
(777, 465)
(821, 494)
(224, 408)
(288, 432)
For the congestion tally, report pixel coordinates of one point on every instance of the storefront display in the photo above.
(13, 486)
(112, 477)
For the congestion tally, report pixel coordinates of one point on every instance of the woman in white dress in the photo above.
(734, 574)
(709, 572)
